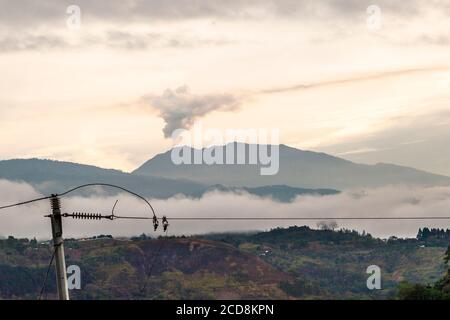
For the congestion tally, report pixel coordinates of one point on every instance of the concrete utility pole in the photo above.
(58, 242)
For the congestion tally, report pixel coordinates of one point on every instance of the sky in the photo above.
(368, 81)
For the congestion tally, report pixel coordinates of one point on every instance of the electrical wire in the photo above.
(44, 284)
(111, 186)
(308, 218)
(213, 218)
(24, 203)
(155, 257)
(114, 217)
(157, 254)
(81, 187)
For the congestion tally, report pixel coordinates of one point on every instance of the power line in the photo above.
(309, 218)
(113, 216)
(44, 284)
(24, 203)
(81, 187)
(111, 186)
(148, 273)
(155, 219)
(57, 232)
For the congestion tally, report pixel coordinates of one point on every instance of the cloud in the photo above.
(127, 40)
(25, 16)
(29, 221)
(358, 151)
(32, 42)
(112, 38)
(439, 39)
(23, 221)
(180, 108)
(355, 79)
(29, 12)
(120, 39)
(405, 140)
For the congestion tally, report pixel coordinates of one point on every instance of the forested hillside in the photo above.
(293, 263)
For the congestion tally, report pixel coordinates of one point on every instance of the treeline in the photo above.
(18, 245)
(427, 234)
(296, 236)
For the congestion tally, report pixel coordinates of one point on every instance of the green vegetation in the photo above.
(292, 263)
(438, 291)
(329, 264)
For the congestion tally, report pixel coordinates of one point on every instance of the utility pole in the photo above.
(57, 232)
(58, 242)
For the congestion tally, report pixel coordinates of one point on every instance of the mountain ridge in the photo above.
(297, 168)
(50, 176)
(301, 172)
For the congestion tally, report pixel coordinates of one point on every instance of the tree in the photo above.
(420, 234)
(407, 291)
(447, 255)
(33, 243)
(438, 291)
(327, 225)
(425, 233)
